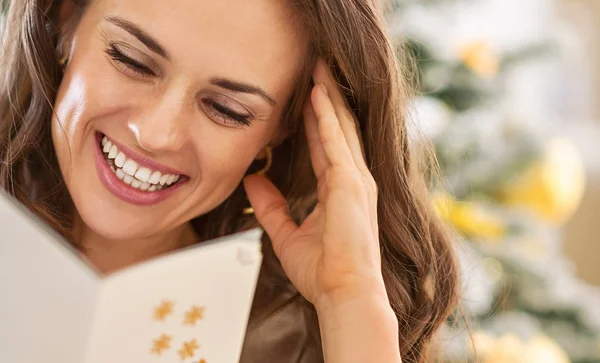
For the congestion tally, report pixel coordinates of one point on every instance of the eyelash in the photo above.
(129, 62)
(218, 110)
(227, 113)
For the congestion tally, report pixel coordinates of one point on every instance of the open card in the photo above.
(188, 306)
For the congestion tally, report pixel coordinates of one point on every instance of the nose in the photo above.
(163, 126)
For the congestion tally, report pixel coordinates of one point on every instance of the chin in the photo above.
(121, 195)
(113, 222)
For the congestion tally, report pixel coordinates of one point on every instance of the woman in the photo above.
(136, 127)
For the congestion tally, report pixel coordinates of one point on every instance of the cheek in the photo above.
(227, 156)
(86, 95)
(69, 108)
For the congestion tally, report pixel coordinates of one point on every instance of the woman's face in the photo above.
(164, 106)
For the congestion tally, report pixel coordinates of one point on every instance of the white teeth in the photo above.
(106, 147)
(164, 179)
(130, 167)
(143, 174)
(120, 160)
(127, 179)
(131, 173)
(113, 152)
(155, 178)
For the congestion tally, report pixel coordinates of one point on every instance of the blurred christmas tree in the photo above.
(488, 100)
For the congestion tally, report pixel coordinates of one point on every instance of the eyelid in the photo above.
(146, 61)
(230, 103)
(219, 111)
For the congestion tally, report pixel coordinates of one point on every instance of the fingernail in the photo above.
(323, 88)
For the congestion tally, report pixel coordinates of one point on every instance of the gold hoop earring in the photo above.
(63, 62)
(262, 172)
(248, 211)
(65, 58)
(269, 155)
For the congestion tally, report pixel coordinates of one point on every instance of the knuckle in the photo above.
(375, 190)
(329, 177)
(355, 183)
(372, 184)
(338, 132)
(332, 135)
(351, 180)
(274, 210)
(281, 249)
(349, 115)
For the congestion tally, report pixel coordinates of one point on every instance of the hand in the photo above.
(333, 257)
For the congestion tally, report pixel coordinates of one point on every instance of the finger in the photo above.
(330, 132)
(270, 209)
(319, 160)
(348, 123)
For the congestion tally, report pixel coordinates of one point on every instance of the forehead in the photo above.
(258, 40)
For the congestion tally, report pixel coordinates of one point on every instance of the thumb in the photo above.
(270, 209)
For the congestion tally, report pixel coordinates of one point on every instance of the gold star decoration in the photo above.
(188, 348)
(193, 315)
(164, 309)
(161, 344)
(202, 360)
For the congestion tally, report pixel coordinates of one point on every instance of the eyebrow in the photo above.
(242, 87)
(140, 34)
(155, 46)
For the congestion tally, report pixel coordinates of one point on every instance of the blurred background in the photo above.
(509, 95)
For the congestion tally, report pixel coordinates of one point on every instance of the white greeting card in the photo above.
(189, 306)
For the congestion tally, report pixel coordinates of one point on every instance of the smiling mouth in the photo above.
(133, 174)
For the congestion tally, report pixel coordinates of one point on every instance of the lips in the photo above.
(131, 177)
(132, 173)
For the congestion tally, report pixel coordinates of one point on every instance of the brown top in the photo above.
(279, 339)
(278, 327)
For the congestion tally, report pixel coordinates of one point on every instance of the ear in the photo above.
(261, 155)
(280, 136)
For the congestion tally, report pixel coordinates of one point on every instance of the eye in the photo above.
(225, 115)
(129, 64)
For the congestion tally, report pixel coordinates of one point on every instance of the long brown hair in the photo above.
(418, 263)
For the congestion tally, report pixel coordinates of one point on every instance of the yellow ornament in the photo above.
(543, 349)
(553, 186)
(470, 218)
(504, 349)
(480, 58)
(510, 348)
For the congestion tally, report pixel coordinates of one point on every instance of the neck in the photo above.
(110, 255)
